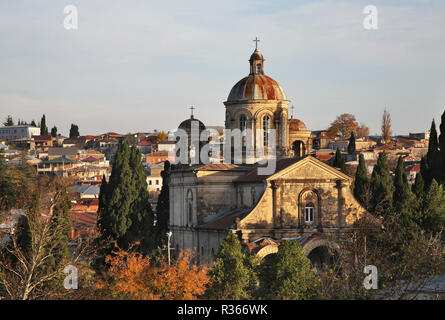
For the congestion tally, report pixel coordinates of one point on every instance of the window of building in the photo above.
(157, 181)
(258, 68)
(309, 213)
(190, 206)
(149, 182)
(266, 127)
(242, 123)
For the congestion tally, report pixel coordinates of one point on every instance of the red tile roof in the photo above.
(41, 138)
(144, 143)
(84, 220)
(324, 156)
(384, 147)
(90, 159)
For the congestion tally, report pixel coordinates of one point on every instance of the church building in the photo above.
(304, 199)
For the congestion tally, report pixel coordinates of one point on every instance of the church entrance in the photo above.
(321, 258)
(298, 148)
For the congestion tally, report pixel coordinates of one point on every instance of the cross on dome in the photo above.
(256, 42)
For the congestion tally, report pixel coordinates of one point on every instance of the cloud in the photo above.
(138, 65)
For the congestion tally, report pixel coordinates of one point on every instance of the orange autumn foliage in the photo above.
(134, 277)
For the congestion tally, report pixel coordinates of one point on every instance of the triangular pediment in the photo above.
(310, 168)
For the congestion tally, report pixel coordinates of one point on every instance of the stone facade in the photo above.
(304, 199)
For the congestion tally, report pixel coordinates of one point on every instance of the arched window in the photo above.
(266, 127)
(309, 213)
(190, 206)
(242, 123)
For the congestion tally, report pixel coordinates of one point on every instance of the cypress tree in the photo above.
(163, 206)
(54, 132)
(418, 186)
(381, 186)
(402, 191)
(102, 204)
(43, 127)
(361, 183)
(74, 131)
(232, 276)
(351, 145)
(433, 158)
(339, 162)
(442, 143)
(115, 220)
(61, 223)
(433, 208)
(287, 275)
(33, 123)
(141, 214)
(125, 212)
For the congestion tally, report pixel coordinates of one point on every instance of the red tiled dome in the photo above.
(256, 87)
(296, 125)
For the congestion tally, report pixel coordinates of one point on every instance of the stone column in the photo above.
(340, 203)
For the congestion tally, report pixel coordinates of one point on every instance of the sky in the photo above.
(138, 65)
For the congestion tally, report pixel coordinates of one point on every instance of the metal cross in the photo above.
(292, 110)
(256, 42)
(192, 108)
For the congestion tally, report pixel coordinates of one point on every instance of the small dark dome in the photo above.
(296, 125)
(186, 125)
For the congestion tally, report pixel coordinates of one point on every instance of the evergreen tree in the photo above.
(61, 224)
(9, 122)
(54, 132)
(163, 206)
(232, 275)
(402, 192)
(287, 275)
(124, 210)
(418, 186)
(8, 189)
(442, 143)
(74, 131)
(339, 162)
(141, 214)
(43, 127)
(351, 145)
(33, 123)
(433, 158)
(361, 183)
(433, 209)
(381, 186)
(115, 221)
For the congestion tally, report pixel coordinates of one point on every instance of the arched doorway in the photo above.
(298, 148)
(321, 258)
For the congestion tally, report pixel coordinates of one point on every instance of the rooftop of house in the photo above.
(58, 151)
(62, 160)
(41, 138)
